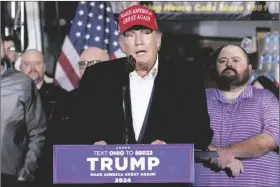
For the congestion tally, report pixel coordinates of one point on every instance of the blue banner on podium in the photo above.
(171, 163)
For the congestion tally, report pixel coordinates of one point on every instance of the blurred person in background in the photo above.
(33, 65)
(23, 124)
(4, 64)
(245, 121)
(91, 56)
(262, 82)
(52, 97)
(11, 49)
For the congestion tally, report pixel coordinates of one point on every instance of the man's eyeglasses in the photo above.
(84, 64)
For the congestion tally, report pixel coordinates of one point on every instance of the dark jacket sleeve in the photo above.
(36, 125)
(197, 121)
(87, 130)
(97, 82)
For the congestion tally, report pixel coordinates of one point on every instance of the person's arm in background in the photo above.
(36, 125)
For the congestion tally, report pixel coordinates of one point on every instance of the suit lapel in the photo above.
(156, 103)
(128, 115)
(144, 125)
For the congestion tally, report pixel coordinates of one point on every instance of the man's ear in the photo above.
(122, 44)
(45, 67)
(158, 39)
(250, 68)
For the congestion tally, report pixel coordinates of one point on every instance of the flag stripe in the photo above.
(68, 69)
(68, 62)
(71, 53)
(62, 79)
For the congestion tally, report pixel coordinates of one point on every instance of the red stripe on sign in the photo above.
(68, 69)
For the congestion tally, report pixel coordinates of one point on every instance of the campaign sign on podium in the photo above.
(171, 163)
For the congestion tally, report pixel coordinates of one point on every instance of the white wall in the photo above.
(238, 29)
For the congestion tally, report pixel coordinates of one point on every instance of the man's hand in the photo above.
(226, 160)
(20, 178)
(225, 157)
(212, 148)
(207, 159)
(100, 143)
(158, 142)
(235, 167)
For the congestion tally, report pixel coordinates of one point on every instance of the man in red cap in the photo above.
(153, 103)
(162, 107)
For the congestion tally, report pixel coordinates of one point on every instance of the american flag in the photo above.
(92, 26)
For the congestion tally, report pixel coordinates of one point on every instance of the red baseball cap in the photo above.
(137, 15)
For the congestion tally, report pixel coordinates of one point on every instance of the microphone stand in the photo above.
(129, 67)
(125, 115)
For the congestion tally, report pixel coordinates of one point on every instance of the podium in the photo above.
(92, 164)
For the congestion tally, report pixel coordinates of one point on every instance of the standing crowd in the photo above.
(165, 102)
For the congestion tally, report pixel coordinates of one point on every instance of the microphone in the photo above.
(129, 67)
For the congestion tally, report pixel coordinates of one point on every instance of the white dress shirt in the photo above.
(140, 93)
